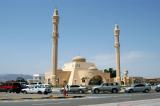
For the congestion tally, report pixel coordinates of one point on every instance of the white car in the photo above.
(40, 89)
(74, 89)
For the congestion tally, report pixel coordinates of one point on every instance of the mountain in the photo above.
(6, 77)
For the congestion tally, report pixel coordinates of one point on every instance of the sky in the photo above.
(85, 29)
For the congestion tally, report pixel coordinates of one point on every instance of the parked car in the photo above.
(157, 88)
(138, 88)
(40, 89)
(106, 87)
(10, 86)
(74, 89)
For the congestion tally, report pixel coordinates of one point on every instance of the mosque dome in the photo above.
(79, 59)
(92, 68)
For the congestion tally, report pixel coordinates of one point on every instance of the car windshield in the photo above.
(47, 86)
(158, 85)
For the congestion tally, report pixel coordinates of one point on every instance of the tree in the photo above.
(106, 71)
(96, 80)
(111, 71)
(21, 80)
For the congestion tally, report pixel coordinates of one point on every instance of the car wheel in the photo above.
(61, 91)
(114, 91)
(17, 91)
(25, 92)
(10, 91)
(39, 92)
(157, 90)
(131, 91)
(96, 91)
(146, 90)
(45, 92)
(80, 91)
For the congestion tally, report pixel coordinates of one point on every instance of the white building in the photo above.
(37, 78)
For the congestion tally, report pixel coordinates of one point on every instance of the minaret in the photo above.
(125, 78)
(55, 46)
(117, 47)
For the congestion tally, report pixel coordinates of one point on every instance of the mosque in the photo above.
(78, 71)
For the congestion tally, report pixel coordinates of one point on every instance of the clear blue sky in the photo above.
(86, 29)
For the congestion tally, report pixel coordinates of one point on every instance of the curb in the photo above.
(50, 97)
(62, 97)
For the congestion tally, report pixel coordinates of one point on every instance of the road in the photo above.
(88, 100)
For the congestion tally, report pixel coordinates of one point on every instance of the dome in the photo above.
(79, 59)
(92, 68)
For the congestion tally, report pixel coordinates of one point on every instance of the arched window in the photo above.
(83, 80)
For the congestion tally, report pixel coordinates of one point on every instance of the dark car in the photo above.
(10, 86)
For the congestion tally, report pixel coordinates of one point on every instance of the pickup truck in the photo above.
(106, 87)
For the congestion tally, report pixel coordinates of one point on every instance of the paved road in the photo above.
(91, 100)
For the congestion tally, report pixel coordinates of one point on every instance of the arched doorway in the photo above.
(96, 80)
(122, 83)
(49, 81)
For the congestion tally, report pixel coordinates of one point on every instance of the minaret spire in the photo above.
(55, 13)
(117, 47)
(55, 46)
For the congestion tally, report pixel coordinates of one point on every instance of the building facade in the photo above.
(79, 72)
(37, 78)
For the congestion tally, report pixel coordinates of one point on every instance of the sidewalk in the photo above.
(14, 96)
(148, 102)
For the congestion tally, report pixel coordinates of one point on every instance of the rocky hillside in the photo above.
(6, 77)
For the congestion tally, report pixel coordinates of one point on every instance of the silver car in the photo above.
(106, 87)
(157, 88)
(74, 89)
(138, 88)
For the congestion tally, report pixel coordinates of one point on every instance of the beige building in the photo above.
(78, 71)
(133, 80)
